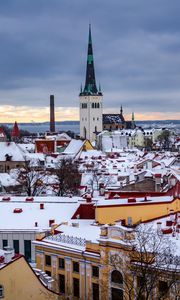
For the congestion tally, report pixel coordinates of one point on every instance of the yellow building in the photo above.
(19, 282)
(133, 211)
(81, 268)
(92, 262)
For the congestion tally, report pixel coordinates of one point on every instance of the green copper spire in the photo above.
(90, 83)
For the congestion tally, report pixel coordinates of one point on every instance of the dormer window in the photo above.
(8, 157)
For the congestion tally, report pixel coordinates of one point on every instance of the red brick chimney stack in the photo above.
(52, 115)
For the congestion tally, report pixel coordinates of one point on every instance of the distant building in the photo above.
(15, 135)
(3, 137)
(117, 121)
(10, 157)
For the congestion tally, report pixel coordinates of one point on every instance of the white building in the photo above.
(24, 218)
(90, 101)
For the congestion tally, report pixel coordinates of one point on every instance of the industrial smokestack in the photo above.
(52, 116)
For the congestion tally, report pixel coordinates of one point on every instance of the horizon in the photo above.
(77, 121)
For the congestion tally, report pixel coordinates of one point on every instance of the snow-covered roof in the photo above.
(10, 149)
(74, 147)
(7, 180)
(138, 201)
(59, 209)
(27, 147)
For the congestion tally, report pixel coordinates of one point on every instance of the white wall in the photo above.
(90, 117)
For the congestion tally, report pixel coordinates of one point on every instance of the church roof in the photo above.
(113, 119)
(15, 131)
(90, 87)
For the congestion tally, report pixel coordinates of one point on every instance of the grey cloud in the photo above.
(136, 49)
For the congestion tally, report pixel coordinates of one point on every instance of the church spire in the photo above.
(121, 110)
(90, 84)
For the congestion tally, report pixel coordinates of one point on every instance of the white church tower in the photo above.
(90, 100)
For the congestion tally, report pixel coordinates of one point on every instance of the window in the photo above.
(84, 105)
(97, 119)
(163, 287)
(93, 105)
(97, 105)
(61, 263)
(95, 271)
(116, 294)
(61, 284)
(116, 277)
(95, 288)
(48, 260)
(16, 246)
(1, 291)
(93, 119)
(48, 273)
(27, 249)
(76, 287)
(75, 266)
(5, 243)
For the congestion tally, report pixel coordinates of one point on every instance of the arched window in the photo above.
(93, 105)
(97, 105)
(1, 291)
(84, 132)
(116, 277)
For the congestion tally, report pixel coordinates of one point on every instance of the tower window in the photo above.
(97, 119)
(93, 105)
(97, 105)
(84, 105)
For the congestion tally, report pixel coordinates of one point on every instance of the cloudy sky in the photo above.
(43, 48)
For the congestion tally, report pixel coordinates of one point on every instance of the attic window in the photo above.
(8, 157)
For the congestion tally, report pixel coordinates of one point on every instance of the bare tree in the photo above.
(98, 178)
(150, 270)
(31, 180)
(68, 178)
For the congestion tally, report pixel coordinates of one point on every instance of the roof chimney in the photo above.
(8, 254)
(52, 116)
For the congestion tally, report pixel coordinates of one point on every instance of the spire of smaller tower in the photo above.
(133, 116)
(81, 89)
(133, 123)
(121, 110)
(15, 132)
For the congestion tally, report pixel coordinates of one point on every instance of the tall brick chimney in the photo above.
(52, 116)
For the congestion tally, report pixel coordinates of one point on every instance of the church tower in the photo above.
(90, 100)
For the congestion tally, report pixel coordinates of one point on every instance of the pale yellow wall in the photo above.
(110, 214)
(20, 283)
